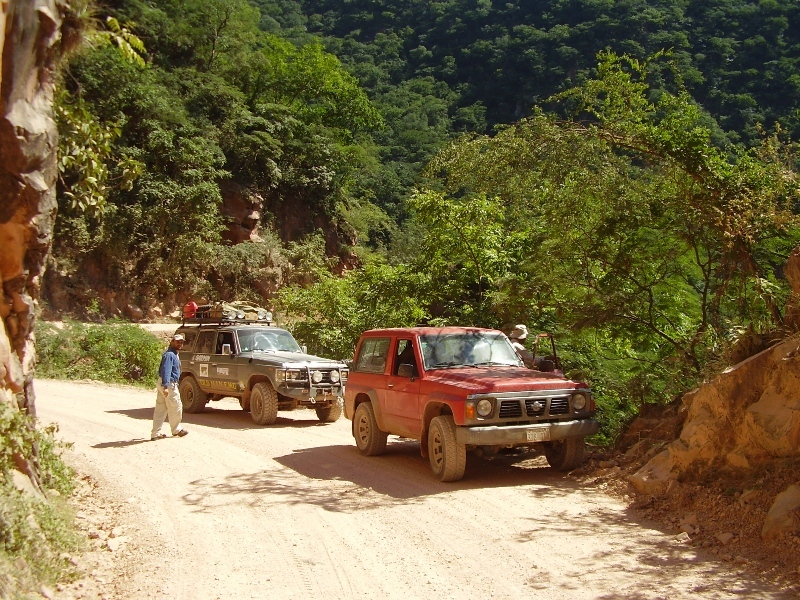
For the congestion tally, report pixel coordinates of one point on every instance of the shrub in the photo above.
(34, 533)
(113, 352)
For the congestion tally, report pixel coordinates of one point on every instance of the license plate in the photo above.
(538, 435)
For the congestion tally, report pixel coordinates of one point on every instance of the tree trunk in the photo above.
(29, 44)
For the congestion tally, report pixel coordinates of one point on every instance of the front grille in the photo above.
(510, 409)
(535, 406)
(531, 406)
(303, 378)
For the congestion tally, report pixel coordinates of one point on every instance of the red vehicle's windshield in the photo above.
(474, 348)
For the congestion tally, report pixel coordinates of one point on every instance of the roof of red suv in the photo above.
(424, 330)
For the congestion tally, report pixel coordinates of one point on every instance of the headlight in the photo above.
(280, 375)
(334, 376)
(293, 375)
(240, 315)
(316, 376)
(485, 407)
(578, 402)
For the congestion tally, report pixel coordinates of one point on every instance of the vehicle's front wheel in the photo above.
(448, 458)
(565, 455)
(330, 413)
(264, 404)
(370, 440)
(193, 398)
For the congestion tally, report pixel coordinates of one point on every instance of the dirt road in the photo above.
(235, 510)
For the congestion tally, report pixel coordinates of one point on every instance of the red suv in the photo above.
(463, 388)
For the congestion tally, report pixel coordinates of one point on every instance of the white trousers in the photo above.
(167, 406)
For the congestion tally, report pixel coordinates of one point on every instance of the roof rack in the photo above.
(225, 313)
(224, 321)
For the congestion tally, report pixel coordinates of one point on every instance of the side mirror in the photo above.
(547, 366)
(405, 370)
(226, 349)
(304, 349)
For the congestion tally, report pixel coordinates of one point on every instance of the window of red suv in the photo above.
(372, 355)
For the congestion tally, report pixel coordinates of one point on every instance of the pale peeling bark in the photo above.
(29, 35)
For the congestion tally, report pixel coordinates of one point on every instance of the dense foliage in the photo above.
(110, 352)
(144, 148)
(435, 68)
(34, 534)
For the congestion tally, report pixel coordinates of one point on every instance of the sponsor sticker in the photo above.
(204, 370)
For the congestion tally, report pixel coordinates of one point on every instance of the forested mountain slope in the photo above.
(226, 98)
(438, 68)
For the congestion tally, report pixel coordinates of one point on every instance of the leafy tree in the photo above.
(633, 223)
(330, 315)
(217, 100)
(464, 251)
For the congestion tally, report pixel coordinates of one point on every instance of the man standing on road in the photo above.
(168, 401)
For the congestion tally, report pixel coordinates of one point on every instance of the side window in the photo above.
(191, 336)
(404, 356)
(224, 337)
(205, 342)
(372, 355)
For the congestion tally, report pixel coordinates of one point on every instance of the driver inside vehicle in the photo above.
(405, 356)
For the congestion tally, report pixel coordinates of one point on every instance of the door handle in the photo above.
(389, 385)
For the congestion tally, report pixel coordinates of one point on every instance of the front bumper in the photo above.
(311, 394)
(495, 435)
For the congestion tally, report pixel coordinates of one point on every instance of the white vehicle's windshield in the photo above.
(476, 348)
(267, 340)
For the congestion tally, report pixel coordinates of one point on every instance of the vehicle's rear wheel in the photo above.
(264, 404)
(193, 398)
(370, 440)
(330, 413)
(448, 458)
(565, 455)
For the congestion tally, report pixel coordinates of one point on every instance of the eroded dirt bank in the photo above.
(293, 511)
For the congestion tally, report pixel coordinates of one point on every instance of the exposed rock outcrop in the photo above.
(241, 209)
(784, 515)
(749, 413)
(28, 143)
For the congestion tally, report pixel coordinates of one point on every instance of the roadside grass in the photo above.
(36, 533)
(112, 352)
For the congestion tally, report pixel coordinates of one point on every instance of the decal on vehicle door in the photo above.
(203, 370)
(222, 370)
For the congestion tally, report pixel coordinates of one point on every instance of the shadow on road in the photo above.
(221, 419)
(338, 478)
(121, 443)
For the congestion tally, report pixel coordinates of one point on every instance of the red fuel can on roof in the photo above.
(189, 310)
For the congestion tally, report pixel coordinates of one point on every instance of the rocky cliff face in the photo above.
(29, 41)
(745, 418)
(746, 415)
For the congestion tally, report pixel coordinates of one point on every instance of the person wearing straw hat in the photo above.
(168, 400)
(517, 337)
